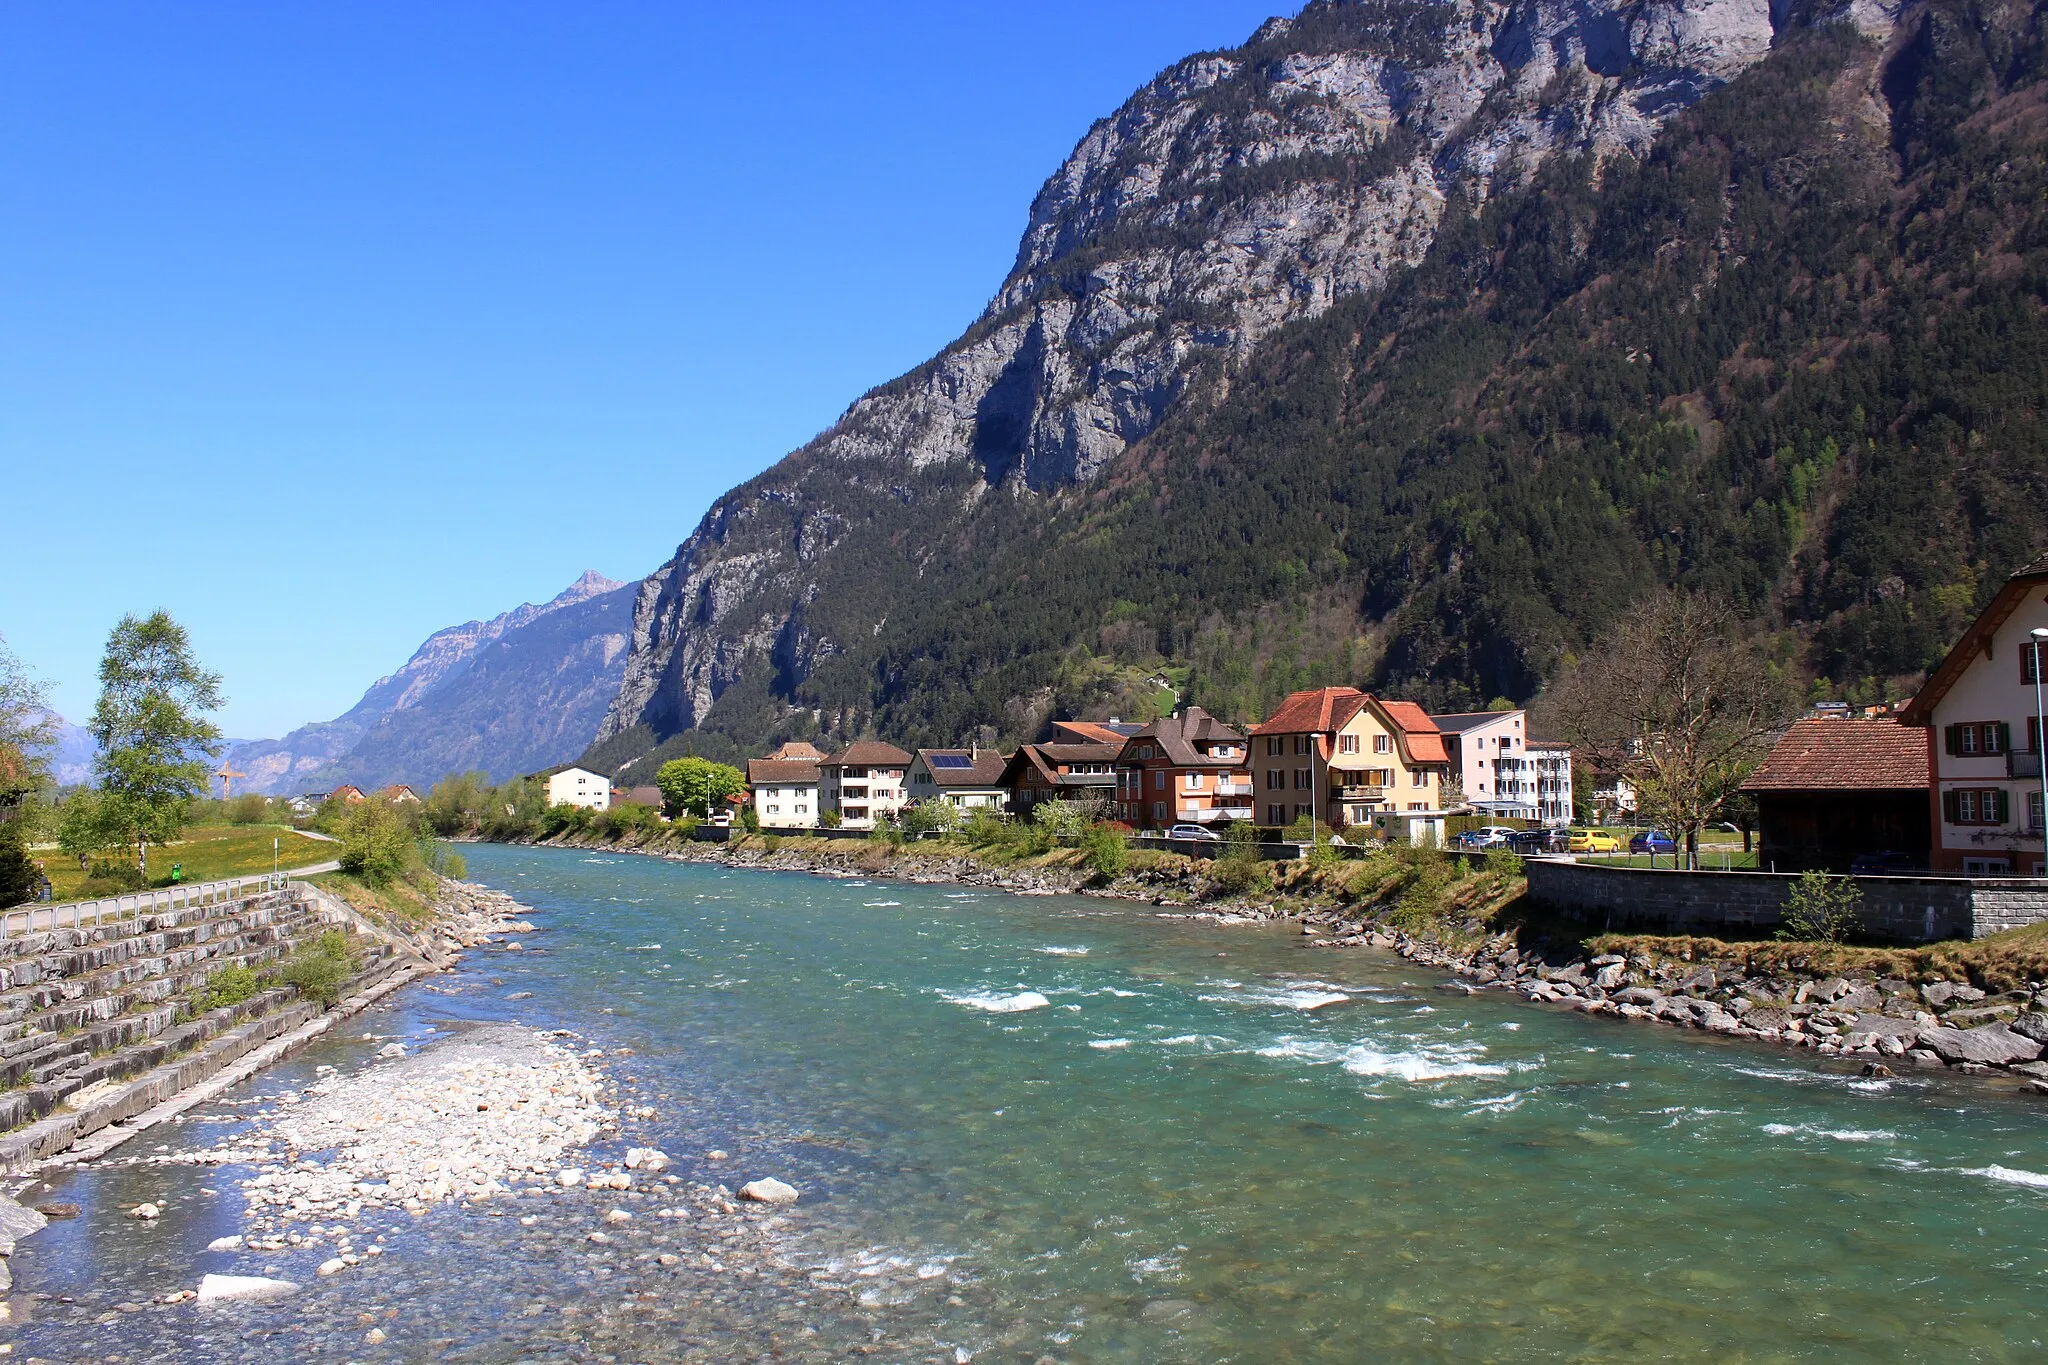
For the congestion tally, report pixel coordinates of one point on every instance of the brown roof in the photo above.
(1844, 755)
(763, 772)
(869, 753)
(984, 767)
(1179, 735)
(1317, 711)
(799, 750)
(1976, 642)
(638, 796)
(1048, 758)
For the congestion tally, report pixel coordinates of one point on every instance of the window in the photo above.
(2033, 812)
(1417, 805)
(1419, 778)
(1159, 780)
(1971, 806)
(2028, 662)
(1383, 744)
(1977, 737)
(1301, 778)
(1159, 810)
(1301, 812)
(1194, 782)
(1347, 744)
(1275, 746)
(1276, 780)
(1276, 815)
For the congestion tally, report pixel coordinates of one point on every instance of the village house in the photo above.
(1487, 755)
(787, 787)
(638, 796)
(965, 778)
(398, 794)
(864, 783)
(1977, 714)
(1062, 772)
(347, 792)
(1185, 769)
(1111, 731)
(574, 786)
(1350, 759)
(1834, 790)
(1551, 761)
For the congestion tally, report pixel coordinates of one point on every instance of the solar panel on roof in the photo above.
(951, 761)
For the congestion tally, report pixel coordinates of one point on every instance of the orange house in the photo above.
(1184, 769)
(1348, 758)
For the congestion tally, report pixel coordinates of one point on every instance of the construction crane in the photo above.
(227, 775)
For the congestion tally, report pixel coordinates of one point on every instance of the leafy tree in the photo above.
(19, 879)
(1678, 702)
(154, 739)
(1106, 849)
(83, 828)
(697, 785)
(460, 802)
(27, 729)
(933, 815)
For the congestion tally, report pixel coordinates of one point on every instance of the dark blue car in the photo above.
(1653, 841)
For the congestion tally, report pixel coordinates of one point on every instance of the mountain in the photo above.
(1407, 344)
(512, 694)
(72, 755)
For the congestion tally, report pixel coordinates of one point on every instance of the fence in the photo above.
(30, 919)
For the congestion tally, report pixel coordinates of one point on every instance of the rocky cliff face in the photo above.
(1239, 192)
(394, 724)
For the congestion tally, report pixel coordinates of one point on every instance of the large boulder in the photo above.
(1993, 1044)
(215, 1288)
(1939, 993)
(2033, 1024)
(16, 1223)
(768, 1191)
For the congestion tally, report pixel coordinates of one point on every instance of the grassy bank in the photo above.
(206, 853)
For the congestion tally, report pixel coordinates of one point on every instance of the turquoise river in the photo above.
(1067, 1129)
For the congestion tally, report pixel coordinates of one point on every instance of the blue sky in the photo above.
(326, 326)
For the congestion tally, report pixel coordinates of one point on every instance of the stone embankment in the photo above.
(1933, 1024)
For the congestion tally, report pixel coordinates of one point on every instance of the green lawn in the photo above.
(1713, 858)
(207, 853)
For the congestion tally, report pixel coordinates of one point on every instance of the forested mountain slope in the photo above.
(1626, 325)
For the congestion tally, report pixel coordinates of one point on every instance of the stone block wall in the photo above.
(1900, 909)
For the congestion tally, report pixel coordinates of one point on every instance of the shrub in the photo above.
(231, 985)
(111, 878)
(771, 843)
(1238, 873)
(1503, 865)
(1422, 900)
(1106, 851)
(830, 819)
(375, 846)
(935, 815)
(1822, 909)
(19, 879)
(1057, 820)
(447, 862)
(319, 971)
(248, 809)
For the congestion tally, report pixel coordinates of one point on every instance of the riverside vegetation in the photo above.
(1975, 1006)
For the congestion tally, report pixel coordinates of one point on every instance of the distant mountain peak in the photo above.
(591, 584)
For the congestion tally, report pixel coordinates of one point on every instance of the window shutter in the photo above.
(1999, 811)
(2004, 736)
(1948, 738)
(1948, 808)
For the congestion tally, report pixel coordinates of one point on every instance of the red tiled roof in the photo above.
(1844, 755)
(798, 751)
(1319, 710)
(1974, 642)
(1425, 741)
(1091, 731)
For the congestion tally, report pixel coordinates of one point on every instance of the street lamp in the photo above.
(2040, 634)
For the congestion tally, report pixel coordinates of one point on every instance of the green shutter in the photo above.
(2004, 737)
(1948, 737)
(2001, 811)
(1948, 808)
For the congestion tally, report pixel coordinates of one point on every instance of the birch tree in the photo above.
(154, 739)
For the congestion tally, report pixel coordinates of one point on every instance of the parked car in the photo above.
(1194, 832)
(1529, 842)
(1653, 841)
(1593, 841)
(1884, 864)
(1486, 836)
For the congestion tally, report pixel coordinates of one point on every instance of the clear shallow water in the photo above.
(1112, 1137)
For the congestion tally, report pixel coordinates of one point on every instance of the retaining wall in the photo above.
(1901, 909)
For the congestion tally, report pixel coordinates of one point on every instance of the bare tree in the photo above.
(1676, 701)
(27, 729)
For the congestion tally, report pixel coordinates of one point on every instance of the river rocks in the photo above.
(651, 1159)
(769, 1191)
(334, 1265)
(1992, 1044)
(17, 1223)
(1983, 1014)
(1941, 993)
(390, 1050)
(1636, 995)
(2033, 1024)
(570, 1178)
(1610, 975)
(147, 1213)
(220, 1288)
(233, 1243)
(618, 1216)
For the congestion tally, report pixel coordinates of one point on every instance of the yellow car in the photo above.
(1594, 841)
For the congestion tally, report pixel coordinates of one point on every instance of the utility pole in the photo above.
(2040, 736)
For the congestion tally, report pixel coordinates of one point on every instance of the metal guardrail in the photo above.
(29, 919)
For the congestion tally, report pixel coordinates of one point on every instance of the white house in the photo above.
(1983, 745)
(865, 783)
(787, 791)
(1503, 771)
(579, 787)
